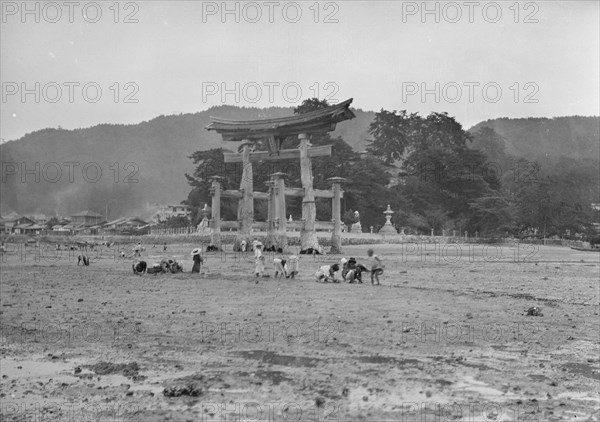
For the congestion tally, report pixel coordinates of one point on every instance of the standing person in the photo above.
(259, 259)
(165, 247)
(137, 249)
(197, 258)
(376, 267)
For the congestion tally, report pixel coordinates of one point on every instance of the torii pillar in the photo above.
(215, 223)
(336, 215)
(279, 199)
(308, 234)
(246, 202)
(271, 213)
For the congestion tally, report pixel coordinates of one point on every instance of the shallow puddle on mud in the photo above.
(273, 358)
(581, 396)
(33, 368)
(378, 360)
(37, 369)
(274, 377)
(583, 369)
(470, 384)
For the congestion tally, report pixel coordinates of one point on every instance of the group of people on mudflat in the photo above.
(348, 270)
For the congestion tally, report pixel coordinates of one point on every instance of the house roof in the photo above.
(29, 220)
(72, 226)
(177, 206)
(86, 213)
(127, 221)
(11, 216)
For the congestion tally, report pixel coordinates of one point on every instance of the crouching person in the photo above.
(171, 265)
(176, 267)
(291, 267)
(352, 271)
(155, 269)
(279, 264)
(326, 274)
(139, 267)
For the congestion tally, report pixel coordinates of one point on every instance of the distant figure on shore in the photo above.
(376, 267)
(137, 249)
(259, 259)
(197, 258)
(165, 246)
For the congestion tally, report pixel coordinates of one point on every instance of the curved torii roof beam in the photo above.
(318, 121)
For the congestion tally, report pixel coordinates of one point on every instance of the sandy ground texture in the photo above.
(445, 337)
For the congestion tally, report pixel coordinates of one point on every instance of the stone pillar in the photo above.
(246, 202)
(281, 236)
(271, 213)
(308, 234)
(336, 215)
(215, 223)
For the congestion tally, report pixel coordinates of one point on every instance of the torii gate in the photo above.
(275, 131)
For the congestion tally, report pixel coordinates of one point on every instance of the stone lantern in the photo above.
(388, 228)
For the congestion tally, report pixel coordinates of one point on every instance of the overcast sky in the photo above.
(178, 57)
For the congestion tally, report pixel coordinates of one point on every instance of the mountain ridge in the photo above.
(132, 179)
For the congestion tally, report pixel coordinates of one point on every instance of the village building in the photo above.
(167, 211)
(125, 224)
(86, 218)
(15, 224)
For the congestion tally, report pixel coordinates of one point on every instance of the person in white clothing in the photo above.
(326, 274)
(259, 259)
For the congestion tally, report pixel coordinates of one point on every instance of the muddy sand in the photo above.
(445, 337)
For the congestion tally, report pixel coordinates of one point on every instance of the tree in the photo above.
(493, 213)
(393, 132)
(366, 187)
(52, 222)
